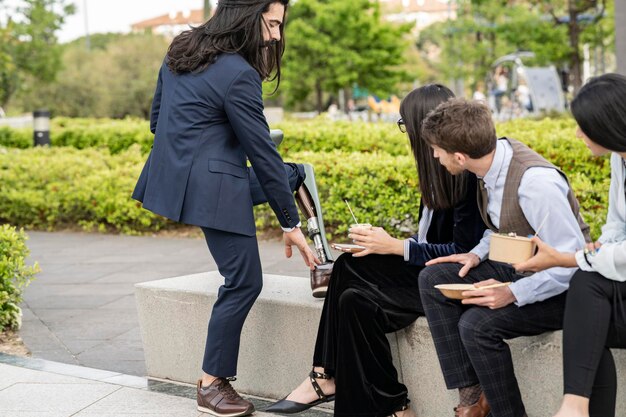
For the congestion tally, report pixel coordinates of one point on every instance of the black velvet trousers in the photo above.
(367, 298)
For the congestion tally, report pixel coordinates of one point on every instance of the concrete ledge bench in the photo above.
(277, 345)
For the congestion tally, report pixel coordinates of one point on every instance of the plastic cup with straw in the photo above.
(356, 222)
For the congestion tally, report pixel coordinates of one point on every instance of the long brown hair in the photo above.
(236, 27)
(440, 189)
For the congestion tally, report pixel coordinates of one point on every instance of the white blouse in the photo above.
(610, 260)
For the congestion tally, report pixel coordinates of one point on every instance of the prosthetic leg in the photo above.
(308, 201)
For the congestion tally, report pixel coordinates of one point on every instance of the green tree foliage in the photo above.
(334, 44)
(116, 78)
(97, 41)
(488, 29)
(578, 17)
(29, 52)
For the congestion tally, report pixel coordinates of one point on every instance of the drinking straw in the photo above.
(351, 212)
(542, 223)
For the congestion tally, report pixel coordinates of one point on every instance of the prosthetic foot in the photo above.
(308, 200)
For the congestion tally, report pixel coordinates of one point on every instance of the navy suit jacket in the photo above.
(205, 125)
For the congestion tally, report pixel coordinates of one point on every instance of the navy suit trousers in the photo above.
(238, 261)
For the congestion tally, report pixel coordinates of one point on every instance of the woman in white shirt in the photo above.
(595, 315)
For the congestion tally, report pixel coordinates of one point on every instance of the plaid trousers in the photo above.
(470, 340)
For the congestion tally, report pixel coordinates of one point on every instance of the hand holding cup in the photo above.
(375, 240)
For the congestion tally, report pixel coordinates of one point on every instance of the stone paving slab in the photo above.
(36, 387)
(41, 393)
(64, 399)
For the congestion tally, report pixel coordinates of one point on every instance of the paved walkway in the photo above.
(35, 387)
(80, 313)
(80, 310)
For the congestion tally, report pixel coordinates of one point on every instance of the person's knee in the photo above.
(343, 260)
(433, 275)
(301, 172)
(253, 285)
(296, 174)
(350, 302)
(427, 279)
(473, 325)
(339, 266)
(357, 264)
(583, 284)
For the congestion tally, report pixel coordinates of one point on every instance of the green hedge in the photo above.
(116, 135)
(382, 190)
(14, 275)
(318, 135)
(368, 163)
(50, 188)
(16, 138)
(554, 138)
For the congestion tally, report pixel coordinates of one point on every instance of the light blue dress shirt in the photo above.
(541, 191)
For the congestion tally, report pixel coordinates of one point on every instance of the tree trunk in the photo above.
(575, 61)
(207, 9)
(620, 35)
(346, 99)
(319, 94)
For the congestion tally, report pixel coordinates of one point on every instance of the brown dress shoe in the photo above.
(480, 409)
(320, 277)
(220, 399)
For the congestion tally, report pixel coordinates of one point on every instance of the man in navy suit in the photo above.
(207, 117)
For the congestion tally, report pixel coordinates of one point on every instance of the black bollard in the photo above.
(41, 127)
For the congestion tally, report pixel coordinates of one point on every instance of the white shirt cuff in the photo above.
(291, 229)
(407, 249)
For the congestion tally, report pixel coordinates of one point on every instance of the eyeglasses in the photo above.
(401, 125)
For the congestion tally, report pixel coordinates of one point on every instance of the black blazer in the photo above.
(455, 230)
(205, 125)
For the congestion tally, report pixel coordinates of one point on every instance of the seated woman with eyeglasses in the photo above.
(595, 312)
(375, 291)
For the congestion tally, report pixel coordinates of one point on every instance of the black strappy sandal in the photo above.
(291, 407)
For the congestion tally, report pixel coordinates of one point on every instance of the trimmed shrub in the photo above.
(50, 188)
(16, 138)
(368, 163)
(382, 190)
(14, 275)
(115, 135)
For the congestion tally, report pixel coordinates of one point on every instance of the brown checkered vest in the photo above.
(512, 217)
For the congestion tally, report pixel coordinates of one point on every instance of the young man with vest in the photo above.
(518, 189)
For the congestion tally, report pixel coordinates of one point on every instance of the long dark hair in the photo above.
(236, 27)
(439, 189)
(600, 110)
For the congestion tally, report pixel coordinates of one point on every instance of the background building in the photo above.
(421, 13)
(170, 24)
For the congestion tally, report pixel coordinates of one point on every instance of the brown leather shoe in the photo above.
(320, 277)
(220, 399)
(480, 409)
